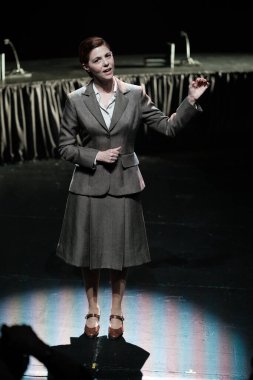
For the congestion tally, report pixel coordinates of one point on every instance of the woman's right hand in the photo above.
(109, 156)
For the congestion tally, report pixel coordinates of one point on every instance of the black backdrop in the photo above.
(52, 29)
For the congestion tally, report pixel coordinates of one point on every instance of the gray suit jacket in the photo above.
(82, 116)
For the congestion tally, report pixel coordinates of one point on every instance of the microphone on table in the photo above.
(18, 71)
(188, 60)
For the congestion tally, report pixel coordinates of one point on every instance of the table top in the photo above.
(147, 64)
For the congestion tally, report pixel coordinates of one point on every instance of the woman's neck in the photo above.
(106, 87)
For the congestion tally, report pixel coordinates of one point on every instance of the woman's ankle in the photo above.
(116, 311)
(94, 309)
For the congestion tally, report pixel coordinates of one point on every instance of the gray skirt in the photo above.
(103, 232)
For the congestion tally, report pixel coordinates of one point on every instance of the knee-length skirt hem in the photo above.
(103, 232)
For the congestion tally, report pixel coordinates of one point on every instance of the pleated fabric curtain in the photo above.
(30, 113)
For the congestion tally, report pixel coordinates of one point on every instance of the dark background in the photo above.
(54, 29)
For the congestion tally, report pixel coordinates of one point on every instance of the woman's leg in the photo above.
(118, 284)
(91, 283)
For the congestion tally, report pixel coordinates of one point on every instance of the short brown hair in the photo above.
(89, 44)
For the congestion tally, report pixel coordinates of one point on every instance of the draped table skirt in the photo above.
(30, 113)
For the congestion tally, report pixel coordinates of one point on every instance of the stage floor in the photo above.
(191, 309)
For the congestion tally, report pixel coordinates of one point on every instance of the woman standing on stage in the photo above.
(103, 225)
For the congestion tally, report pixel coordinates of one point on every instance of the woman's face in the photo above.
(101, 63)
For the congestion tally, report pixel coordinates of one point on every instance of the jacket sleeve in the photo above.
(162, 123)
(68, 146)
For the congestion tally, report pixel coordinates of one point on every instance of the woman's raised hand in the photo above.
(196, 88)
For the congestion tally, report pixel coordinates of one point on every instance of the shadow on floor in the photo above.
(108, 359)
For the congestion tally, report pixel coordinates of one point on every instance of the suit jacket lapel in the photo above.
(120, 103)
(119, 108)
(91, 102)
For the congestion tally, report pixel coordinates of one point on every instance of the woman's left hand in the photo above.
(196, 88)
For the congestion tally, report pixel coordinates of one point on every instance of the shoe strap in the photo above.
(121, 318)
(92, 315)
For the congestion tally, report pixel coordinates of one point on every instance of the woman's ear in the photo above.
(86, 68)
